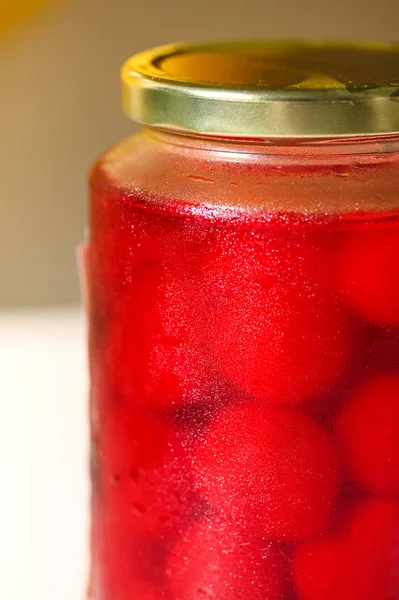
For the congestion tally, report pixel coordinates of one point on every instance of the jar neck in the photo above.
(312, 177)
(317, 149)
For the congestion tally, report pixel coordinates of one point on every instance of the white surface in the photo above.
(43, 456)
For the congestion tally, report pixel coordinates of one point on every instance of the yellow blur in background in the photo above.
(12, 12)
(60, 107)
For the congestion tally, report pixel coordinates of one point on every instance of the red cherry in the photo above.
(145, 591)
(268, 469)
(268, 255)
(122, 247)
(145, 479)
(212, 561)
(154, 353)
(145, 311)
(121, 243)
(124, 567)
(277, 335)
(360, 562)
(368, 274)
(369, 432)
(127, 436)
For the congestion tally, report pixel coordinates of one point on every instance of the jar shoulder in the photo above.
(273, 179)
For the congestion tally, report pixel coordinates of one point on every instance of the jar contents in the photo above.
(245, 401)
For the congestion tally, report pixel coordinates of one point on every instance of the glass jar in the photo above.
(243, 271)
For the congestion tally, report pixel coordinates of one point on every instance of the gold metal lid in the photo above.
(277, 89)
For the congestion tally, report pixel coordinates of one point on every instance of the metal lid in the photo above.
(277, 89)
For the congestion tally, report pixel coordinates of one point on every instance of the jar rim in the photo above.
(266, 89)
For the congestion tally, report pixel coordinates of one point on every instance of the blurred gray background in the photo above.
(59, 108)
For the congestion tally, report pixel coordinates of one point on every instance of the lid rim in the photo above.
(154, 98)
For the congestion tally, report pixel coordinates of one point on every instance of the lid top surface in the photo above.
(274, 65)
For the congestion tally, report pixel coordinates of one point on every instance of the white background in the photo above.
(43, 456)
